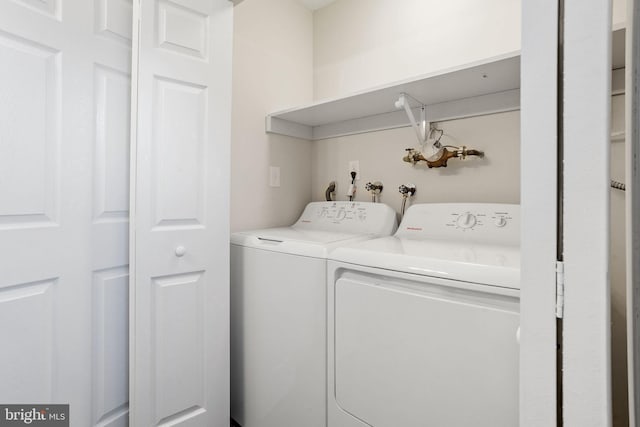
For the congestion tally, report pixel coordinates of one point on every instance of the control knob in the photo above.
(466, 220)
(500, 221)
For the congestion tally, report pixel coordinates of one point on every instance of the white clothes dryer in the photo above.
(423, 325)
(278, 311)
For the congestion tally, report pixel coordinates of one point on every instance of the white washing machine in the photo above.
(423, 325)
(278, 312)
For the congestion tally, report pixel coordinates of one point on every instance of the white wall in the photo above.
(363, 43)
(273, 69)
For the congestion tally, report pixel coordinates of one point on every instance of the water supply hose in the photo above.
(406, 191)
(329, 191)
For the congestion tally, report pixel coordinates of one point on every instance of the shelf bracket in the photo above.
(419, 128)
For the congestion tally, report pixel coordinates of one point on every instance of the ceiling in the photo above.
(315, 4)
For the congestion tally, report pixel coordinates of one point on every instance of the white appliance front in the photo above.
(278, 312)
(278, 338)
(405, 351)
(412, 339)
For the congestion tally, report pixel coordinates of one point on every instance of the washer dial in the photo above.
(500, 221)
(466, 220)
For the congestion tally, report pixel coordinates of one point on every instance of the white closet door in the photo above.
(539, 231)
(64, 138)
(180, 242)
(586, 328)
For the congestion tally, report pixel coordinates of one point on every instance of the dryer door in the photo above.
(429, 352)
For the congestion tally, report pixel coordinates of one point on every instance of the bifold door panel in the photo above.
(64, 206)
(180, 249)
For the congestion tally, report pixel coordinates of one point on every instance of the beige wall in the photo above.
(360, 44)
(285, 55)
(272, 69)
(363, 43)
(496, 178)
(619, 13)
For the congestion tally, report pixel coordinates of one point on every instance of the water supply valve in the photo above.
(375, 189)
(407, 191)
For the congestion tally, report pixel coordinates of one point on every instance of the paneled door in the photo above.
(180, 238)
(64, 197)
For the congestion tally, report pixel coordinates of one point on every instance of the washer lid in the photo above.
(323, 226)
(295, 241)
(497, 265)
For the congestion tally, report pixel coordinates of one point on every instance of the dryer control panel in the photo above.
(483, 222)
(349, 217)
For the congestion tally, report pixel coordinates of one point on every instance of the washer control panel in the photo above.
(482, 222)
(349, 217)
(468, 220)
(338, 213)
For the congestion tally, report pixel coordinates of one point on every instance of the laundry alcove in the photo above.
(115, 210)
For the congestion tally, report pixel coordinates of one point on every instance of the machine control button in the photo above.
(180, 251)
(500, 221)
(466, 220)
